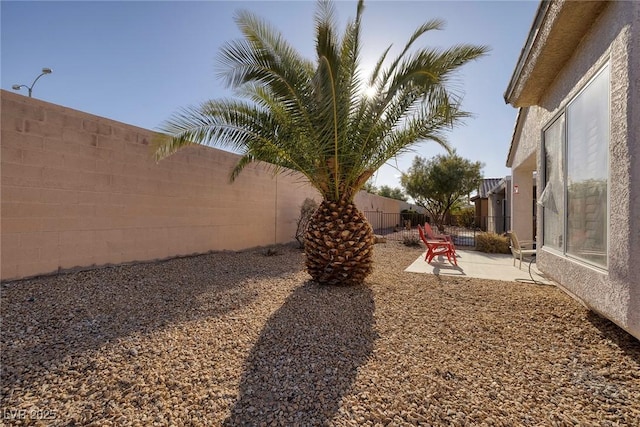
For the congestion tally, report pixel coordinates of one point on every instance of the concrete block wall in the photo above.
(80, 190)
(372, 202)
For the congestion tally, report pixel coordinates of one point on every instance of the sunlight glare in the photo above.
(370, 92)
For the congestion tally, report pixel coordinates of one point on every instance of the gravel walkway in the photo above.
(244, 339)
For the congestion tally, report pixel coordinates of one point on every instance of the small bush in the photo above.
(307, 209)
(410, 240)
(467, 217)
(271, 252)
(492, 243)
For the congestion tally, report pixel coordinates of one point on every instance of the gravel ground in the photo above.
(245, 339)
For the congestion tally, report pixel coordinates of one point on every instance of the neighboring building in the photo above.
(492, 204)
(499, 206)
(577, 85)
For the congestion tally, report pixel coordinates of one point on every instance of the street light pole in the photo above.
(30, 88)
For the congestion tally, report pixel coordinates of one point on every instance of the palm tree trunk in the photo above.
(339, 244)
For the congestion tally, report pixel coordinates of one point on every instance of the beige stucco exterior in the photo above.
(80, 190)
(607, 32)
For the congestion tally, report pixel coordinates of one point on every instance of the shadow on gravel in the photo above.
(307, 357)
(625, 341)
(49, 319)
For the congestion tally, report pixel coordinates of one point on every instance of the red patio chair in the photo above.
(431, 235)
(437, 247)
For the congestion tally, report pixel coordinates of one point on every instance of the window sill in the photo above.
(576, 260)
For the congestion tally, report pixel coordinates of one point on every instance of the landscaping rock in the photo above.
(246, 339)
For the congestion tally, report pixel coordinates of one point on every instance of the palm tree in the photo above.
(313, 117)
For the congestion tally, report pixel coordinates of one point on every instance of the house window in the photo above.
(576, 161)
(552, 197)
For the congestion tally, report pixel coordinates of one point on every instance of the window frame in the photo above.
(564, 149)
(563, 166)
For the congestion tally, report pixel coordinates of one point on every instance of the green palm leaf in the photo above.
(313, 116)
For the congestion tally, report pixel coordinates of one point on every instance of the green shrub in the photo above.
(492, 243)
(467, 217)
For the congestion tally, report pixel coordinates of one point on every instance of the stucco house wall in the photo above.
(613, 37)
(523, 162)
(482, 212)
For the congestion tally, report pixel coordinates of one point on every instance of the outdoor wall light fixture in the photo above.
(30, 88)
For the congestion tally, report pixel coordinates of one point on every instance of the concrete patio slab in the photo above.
(482, 266)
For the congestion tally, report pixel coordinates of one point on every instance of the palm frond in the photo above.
(312, 116)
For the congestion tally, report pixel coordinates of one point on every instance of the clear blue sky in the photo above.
(138, 62)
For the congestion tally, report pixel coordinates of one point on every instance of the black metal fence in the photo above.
(401, 226)
(496, 224)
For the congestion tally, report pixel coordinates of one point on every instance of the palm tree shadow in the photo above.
(307, 357)
(48, 323)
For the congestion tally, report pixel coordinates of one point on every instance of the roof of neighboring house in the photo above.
(557, 29)
(502, 185)
(487, 185)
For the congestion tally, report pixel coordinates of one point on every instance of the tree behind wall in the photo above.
(392, 193)
(385, 191)
(440, 183)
